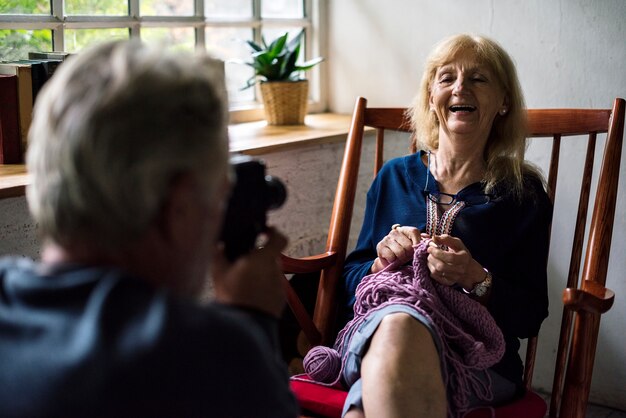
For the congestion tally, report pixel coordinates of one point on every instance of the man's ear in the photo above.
(177, 208)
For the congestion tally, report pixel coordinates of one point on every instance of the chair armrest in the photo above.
(307, 264)
(593, 297)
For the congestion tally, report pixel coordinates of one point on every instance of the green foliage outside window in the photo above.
(96, 7)
(25, 7)
(77, 39)
(15, 44)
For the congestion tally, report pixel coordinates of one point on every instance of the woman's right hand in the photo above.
(397, 246)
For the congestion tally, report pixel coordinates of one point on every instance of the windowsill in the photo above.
(13, 180)
(253, 138)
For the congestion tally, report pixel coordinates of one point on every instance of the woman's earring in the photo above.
(503, 111)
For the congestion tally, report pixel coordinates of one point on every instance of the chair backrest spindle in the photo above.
(573, 274)
(380, 146)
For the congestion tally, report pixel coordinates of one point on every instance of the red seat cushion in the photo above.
(328, 402)
(530, 405)
(322, 400)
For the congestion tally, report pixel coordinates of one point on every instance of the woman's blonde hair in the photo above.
(506, 145)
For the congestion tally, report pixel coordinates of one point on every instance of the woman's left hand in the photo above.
(453, 264)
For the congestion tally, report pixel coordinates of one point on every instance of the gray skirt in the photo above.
(502, 389)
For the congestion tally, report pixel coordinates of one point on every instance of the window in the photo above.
(219, 26)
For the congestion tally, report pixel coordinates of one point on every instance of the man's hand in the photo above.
(255, 279)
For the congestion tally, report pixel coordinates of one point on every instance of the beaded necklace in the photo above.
(436, 224)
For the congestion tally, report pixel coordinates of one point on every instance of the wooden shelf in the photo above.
(259, 138)
(253, 138)
(13, 180)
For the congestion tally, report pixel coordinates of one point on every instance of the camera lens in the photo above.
(253, 194)
(276, 192)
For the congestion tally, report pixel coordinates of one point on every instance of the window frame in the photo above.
(313, 22)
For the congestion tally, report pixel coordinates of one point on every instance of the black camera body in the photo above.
(252, 196)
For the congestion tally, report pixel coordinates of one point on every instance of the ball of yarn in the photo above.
(322, 364)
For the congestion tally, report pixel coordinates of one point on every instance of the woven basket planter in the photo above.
(285, 102)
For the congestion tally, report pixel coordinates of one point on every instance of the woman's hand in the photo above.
(450, 262)
(397, 246)
(254, 280)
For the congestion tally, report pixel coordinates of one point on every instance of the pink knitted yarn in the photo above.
(471, 341)
(322, 364)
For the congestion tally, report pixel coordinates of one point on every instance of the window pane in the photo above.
(228, 44)
(282, 8)
(15, 44)
(228, 9)
(77, 39)
(175, 38)
(166, 7)
(25, 7)
(96, 7)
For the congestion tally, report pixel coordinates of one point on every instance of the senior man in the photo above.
(129, 163)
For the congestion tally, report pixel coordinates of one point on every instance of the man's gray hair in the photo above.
(113, 129)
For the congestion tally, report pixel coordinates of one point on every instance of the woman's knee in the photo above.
(401, 327)
(403, 368)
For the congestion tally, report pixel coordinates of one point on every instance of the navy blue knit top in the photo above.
(507, 235)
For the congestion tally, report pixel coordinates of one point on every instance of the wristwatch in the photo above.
(481, 289)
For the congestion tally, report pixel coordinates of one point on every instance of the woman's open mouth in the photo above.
(462, 108)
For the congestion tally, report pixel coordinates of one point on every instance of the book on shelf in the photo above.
(42, 70)
(31, 74)
(23, 72)
(51, 55)
(10, 142)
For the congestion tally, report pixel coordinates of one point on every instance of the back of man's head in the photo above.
(112, 130)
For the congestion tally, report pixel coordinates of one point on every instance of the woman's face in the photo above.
(466, 97)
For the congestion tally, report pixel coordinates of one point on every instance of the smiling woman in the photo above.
(463, 70)
(468, 97)
(467, 190)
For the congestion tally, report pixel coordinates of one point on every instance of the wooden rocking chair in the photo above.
(584, 300)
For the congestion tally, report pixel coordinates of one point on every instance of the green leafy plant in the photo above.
(277, 61)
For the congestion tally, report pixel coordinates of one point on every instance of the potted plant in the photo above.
(284, 91)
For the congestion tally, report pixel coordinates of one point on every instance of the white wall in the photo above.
(569, 53)
(18, 233)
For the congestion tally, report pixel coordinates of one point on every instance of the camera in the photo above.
(252, 196)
